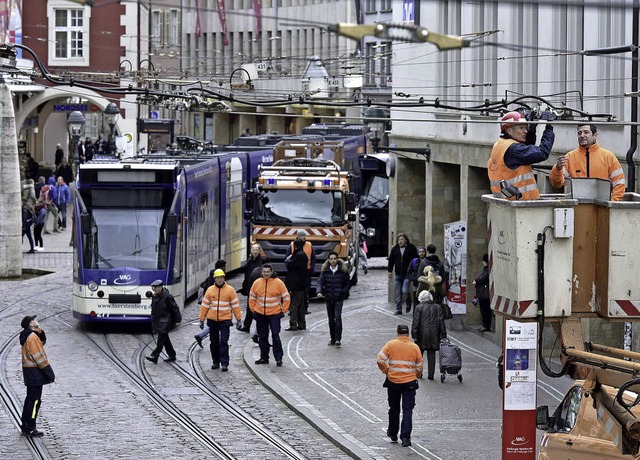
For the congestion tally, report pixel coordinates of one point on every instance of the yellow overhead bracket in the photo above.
(399, 32)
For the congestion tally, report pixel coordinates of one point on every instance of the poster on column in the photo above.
(455, 254)
(519, 396)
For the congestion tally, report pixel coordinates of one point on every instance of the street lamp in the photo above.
(376, 119)
(75, 125)
(111, 114)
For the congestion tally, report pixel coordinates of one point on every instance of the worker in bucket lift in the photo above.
(590, 160)
(509, 166)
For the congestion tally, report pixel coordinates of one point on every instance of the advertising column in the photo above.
(455, 254)
(519, 395)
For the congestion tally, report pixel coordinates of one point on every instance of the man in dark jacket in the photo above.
(399, 260)
(334, 285)
(296, 282)
(481, 282)
(36, 372)
(65, 171)
(59, 155)
(428, 328)
(255, 261)
(164, 313)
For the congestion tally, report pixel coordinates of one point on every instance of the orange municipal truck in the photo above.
(305, 189)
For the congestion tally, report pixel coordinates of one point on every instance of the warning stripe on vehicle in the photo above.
(624, 308)
(287, 231)
(514, 308)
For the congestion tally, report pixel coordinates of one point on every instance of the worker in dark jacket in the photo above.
(428, 328)
(36, 372)
(164, 313)
(296, 282)
(334, 285)
(399, 260)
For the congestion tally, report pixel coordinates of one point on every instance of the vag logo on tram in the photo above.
(123, 279)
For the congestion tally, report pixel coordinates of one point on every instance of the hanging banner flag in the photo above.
(257, 11)
(4, 21)
(222, 15)
(198, 29)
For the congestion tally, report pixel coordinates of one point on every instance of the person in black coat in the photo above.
(59, 155)
(334, 285)
(296, 282)
(428, 328)
(255, 261)
(400, 258)
(164, 313)
(481, 282)
(65, 171)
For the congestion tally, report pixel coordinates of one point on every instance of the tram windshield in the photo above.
(128, 238)
(300, 207)
(376, 193)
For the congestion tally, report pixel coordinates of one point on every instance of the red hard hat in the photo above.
(510, 119)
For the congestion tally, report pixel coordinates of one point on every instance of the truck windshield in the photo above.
(127, 238)
(376, 193)
(297, 207)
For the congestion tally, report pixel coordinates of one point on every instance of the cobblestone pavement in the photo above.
(327, 402)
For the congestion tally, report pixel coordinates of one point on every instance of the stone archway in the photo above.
(58, 92)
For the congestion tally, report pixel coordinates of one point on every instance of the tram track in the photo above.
(195, 376)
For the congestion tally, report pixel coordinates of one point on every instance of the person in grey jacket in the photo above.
(164, 313)
(428, 329)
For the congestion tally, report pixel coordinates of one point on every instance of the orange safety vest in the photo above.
(218, 302)
(401, 360)
(522, 177)
(602, 164)
(269, 297)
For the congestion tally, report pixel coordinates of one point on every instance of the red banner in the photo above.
(198, 29)
(222, 15)
(257, 11)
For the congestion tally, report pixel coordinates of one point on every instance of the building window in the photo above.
(156, 29)
(68, 34)
(174, 28)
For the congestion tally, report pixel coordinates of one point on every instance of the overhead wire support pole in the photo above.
(399, 32)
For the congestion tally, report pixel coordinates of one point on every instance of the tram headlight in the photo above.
(93, 286)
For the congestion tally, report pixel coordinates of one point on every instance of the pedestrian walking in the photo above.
(269, 301)
(29, 192)
(400, 257)
(63, 199)
(219, 304)
(220, 264)
(414, 271)
(401, 361)
(38, 226)
(36, 372)
(27, 222)
(252, 269)
(428, 328)
(296, 282)
(481, 282)
(590, 160)
(49, 195)
(439, 291)
(514, 153)
(334, 285)
(164, 314)
(362, 249)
